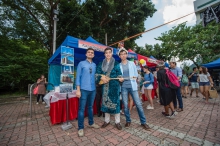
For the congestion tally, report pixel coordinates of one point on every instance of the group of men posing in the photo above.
(116, 78)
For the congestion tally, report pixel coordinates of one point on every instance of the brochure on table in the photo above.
(67, 70)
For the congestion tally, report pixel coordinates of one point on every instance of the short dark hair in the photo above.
(146, 67)
(120, 51)
(108, 48)
(90, 49)
(194, 68)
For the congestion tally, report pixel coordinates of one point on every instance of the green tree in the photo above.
(33, 20)
(20, 65)
(192, 42)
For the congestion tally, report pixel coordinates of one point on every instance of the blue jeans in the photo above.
(179, 98)
(87, 98)
(137, 101)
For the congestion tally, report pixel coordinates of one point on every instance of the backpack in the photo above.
(184, 79)
(173, 81)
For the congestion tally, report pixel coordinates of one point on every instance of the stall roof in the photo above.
(79, 53)
(215, 64)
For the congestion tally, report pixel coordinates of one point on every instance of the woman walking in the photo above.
(166, 93)
(41, 83)
(148, 86)
(204, 80)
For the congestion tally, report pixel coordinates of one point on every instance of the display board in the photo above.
(67, 69)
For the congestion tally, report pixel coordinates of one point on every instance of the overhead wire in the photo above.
(149, 30)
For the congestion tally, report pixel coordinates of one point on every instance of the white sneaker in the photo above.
(43, 102)
(94, 126)
(80, 133)
(175, 113)
(37, 103)
(158, 101)
(171, 116)
(150, 107)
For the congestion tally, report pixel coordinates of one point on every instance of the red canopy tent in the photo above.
(150, 62)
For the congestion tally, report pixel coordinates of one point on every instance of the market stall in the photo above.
(62, 72)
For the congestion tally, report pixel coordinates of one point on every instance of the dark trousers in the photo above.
(98, 98)
(40, 96)
(179, 98)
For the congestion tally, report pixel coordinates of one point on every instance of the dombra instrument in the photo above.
(125, 78)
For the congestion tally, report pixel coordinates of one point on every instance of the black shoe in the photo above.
(127, 124)
(165, 114)
(99, 114)
(118, 126)
(146, 127)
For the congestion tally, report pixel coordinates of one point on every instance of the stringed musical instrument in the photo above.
(126, 78)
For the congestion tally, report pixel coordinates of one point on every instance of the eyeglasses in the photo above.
(90, 70)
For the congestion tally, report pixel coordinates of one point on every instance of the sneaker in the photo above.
(158, 101)
(171, 116)
(175, 113)
(80, 133)
(150, 107)
(37, 103)
(94, 126)
(43, 102)
(163, 113)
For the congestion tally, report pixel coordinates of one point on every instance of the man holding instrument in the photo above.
(108, 74)
(128, 69)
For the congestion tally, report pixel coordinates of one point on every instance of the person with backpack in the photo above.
(167, 94)
(184, 84)
(148, 86)
(178, 72)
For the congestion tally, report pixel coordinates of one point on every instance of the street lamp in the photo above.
(55, 19)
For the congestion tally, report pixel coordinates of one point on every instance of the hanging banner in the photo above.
(85, 45)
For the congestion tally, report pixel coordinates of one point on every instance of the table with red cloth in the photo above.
(58, 107)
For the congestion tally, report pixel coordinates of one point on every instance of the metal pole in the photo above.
(54, 32)
(31, 99)
(106, 42)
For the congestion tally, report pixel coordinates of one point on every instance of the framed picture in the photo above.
(66, 88)
(67, 78)
(67, 60)
(66, 51)
(67, 69)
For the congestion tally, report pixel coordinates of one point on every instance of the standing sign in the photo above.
(67, 69)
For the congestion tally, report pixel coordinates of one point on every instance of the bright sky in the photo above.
(167, 10)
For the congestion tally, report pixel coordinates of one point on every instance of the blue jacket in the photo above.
(148, 77)
(133, 73)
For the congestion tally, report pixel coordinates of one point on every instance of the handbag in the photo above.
(35, 91)
(213, 93)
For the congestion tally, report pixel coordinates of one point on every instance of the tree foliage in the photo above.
(20, 64)
(192, 42)
(33, 20)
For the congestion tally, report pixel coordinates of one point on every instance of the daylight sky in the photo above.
(167, 10)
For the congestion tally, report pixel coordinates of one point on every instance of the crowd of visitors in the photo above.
(118, 87)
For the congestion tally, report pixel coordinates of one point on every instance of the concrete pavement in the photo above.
(198, 124)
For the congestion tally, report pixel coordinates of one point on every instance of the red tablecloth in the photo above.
(58, 109)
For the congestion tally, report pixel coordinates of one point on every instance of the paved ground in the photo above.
(198, 124)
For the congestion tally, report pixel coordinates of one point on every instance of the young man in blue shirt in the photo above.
(178, 72)
(86, 90)
(128, 69)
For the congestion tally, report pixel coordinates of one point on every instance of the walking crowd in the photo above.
(117, 87)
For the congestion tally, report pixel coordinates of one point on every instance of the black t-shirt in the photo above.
(193, 77)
